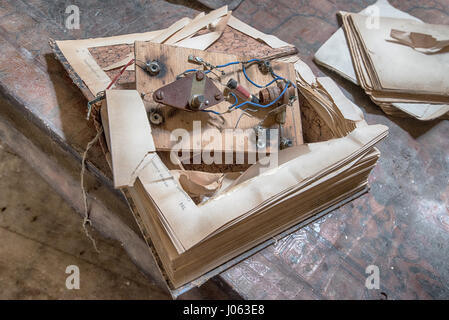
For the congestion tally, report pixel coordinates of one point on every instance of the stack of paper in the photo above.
(401, 63)
(340, 115)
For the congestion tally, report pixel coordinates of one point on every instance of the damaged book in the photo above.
(219, 136)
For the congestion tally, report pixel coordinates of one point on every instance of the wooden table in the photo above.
(401, 225)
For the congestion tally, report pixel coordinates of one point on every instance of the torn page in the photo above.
(348, 109)
(422, 42)
(122, 63)
(198, 183)
(130, 139)
(201, 42)
(335, 55)
(82, 62)
(175, 205)
(204, 41)
(196, 25)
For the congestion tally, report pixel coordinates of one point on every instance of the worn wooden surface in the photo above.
(41, 235)
(402, 225)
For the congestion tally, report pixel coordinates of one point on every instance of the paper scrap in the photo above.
(422, 42)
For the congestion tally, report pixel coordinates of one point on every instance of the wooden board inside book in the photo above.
(231, 41)
(174, 61)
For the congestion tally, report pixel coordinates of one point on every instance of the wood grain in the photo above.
(174, 61)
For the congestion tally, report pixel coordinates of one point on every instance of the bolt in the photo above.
(218, 96)
(265, 66)
(199, 75)
(159, 95)
(285, 143)
(197, 101)
(153, 67)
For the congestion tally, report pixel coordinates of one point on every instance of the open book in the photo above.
(194, 220)
(191, 238)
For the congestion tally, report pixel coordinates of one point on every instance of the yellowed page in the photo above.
(334, 53)
(399, 67)
(348, 109)
(175, 27)
(204, 41)
(432, 42)
(191, 224)
(130, 139)
(197, 24)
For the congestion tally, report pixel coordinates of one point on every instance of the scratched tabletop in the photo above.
(401, 226)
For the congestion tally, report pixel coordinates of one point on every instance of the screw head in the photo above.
(197, 101)
(199, 75)
(218, 96)
(159, 94)
(260, 144)
(265, 66)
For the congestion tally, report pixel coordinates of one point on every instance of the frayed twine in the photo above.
(86, 220)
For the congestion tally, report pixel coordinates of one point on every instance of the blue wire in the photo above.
(276, 77)
(253, 60)
(235, 99)
(218, 113)
(253, 103)
(190, 70)
(281, 78)
(257, 85)
(212, 111)
(227, 64)
(234, 105)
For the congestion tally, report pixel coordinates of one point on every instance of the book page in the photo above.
(399, 67)
(130, 140)
(191, 224)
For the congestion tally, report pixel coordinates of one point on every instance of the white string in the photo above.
(86, 219)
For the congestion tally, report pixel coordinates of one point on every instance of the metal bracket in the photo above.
(193, 92)
(100, 96)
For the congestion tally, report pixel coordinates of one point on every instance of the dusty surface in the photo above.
(41, 235)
